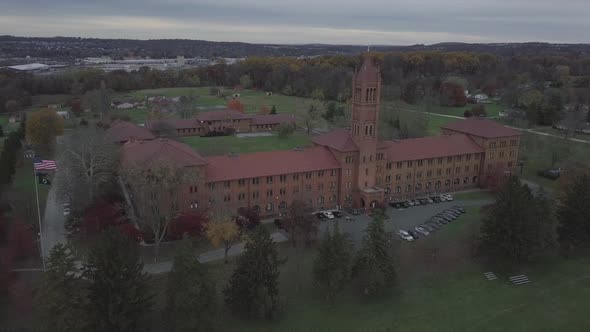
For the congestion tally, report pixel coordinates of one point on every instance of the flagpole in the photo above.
(39, 216)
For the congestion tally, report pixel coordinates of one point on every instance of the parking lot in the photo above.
(405, 219)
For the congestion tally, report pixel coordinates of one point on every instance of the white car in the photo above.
(405, 235)
(448, 197)
(66, 209)
(328, 215)
(422, 230)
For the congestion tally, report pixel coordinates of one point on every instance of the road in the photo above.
(577, 140)
(210, 256)
(53, 223)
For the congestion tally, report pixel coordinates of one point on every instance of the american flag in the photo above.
(44, 164)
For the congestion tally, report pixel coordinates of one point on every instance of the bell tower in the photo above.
(366, 96)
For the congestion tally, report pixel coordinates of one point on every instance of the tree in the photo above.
(300, 222)
(310, 117)
(452, 94)
(285, 130)
(518, 225)
(235, 105)
(479, 110)
(253, 287)
(185, 107)
(223, 232)
(574, 212)
(317, 94)
(159, 184)
(87, 163)
(332, 266)
(118, 289)
(273, 110)
(374, 267)
(1, 132)
(43, 126)
(248, 219)
(60, 298)
(191, 224)
(531, 101)
(190, 293)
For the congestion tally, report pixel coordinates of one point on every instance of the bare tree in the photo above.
(86, 162)
(157, 193)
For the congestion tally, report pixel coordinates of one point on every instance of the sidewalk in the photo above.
(210, 256)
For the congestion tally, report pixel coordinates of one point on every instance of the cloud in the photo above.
(397, 22)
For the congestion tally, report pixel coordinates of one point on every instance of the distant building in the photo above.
(123, 131)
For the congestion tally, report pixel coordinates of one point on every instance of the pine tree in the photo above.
(519, 225)
(273, 110)
(118, 290)
(574, 214)
(332, 266)
(374, 268)
(253, 287)
(190, 293)
(60, 298)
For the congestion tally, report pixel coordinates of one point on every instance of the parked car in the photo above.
(422, 201)
(66, 209)
(439, 219)
(435, 199)
(448, 197)
(405, 205)
(433, 224)
(392, 204)
(411, 203)
(321, 216)
(421, 230)
(458, 208)
(429, 200)
(328, 215)
(428, 227)
(337, 214)
(354, 212)
(446, 217)
(451, 212)
(414, 234)
(405, 235)
(552, 174)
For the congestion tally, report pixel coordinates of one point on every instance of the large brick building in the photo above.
(344, 167)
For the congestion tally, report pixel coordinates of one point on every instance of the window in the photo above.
(419, 174)
(348, 185)
(308, 175)
(428, 174)
(194, 205)
(388, 166)
(193, 189)
(211, 186)
(295, 177)
(283, 205)
(439, 172)
(255, 194)
(457, 181)
(491, 156)
(437, 184)
(282, 178)
(320, 186)
(332, 185)
(448, 171)
(492, 145)
(511, 154)
(398, 189)
(388, 178)
(349, 172)
(398, 177)
(269, 193)
(440, 161)
(428, 185)
(501, 154)
(408, 188)
(465, 180)
(379, 156)
(513, 143)
(410, 163)
(321, 200)
(241, 182)
(283, 191)
(269, 207)
(398, 165)
(269, 179)
(449, 159)
(255, 180)
(458, 158)
(226, 184)
(474, 180)
(349, 159)
(349, 197)
(333, 172)
(447, 182)
(420, 162)
(476, 167)
(366, 171)
(466, 169)
(419, 187)
(409, 176)
(503, 144)
(241, 196)
(457, 169)
(468, 157)
(308, 187)
(226, 198)
(430, 161)
(509, 164)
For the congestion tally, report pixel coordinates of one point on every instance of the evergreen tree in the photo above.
(1, 132)
(273, 110)
(374, 268)
(60, 298)
(253, 287)
(118, 293)
(518, 225)
(332, 266)
(190, 293)
(574, 213)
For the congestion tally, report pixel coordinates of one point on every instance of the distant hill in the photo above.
(69, 48)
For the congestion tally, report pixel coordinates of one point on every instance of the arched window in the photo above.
(349, 197)
(448, 182)
(457, 181)
(283, 205)
(428, 185)
(194, 205)
(438, 184)
(475, 178)
(466, 180)
(418, 187)
(269, 207)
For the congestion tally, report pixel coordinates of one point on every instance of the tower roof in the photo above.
(368, 71)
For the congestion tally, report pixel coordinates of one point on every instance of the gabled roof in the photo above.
(431, 147)
(482, 128)
(339, 140)
(123, 131)
(145, 153)
(259, 164)
(272, 119)
(222, 115)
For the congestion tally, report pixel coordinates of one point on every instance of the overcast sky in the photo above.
(390, 22)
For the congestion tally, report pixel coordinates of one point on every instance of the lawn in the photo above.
(435, 122)
(492, 109)
(222, 145)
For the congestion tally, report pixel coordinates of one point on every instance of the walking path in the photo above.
(577, 140)
(210, 256)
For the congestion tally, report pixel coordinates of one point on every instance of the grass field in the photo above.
(491, 109)
(226, 144)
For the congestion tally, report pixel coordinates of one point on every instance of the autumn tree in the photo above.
(191, 224)
(223, 232)
(236, 105)
(332, 266)
(43, 127)
(60, 299)
(574, 212)
(190, 293)
(87, 162)
(253, 288)
(157, 190)
(519, 225)
(374, 266)
(452, 94)
(300, 222)
(248, 219)
(118, 289)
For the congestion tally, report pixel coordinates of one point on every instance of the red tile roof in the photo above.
(144, 153)
(222, 115)
(171, 123)
(122, 131)
(272, 119)
(431, 147)
(482, 128)
(339, 139)
(368, 71)
(259, 164)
